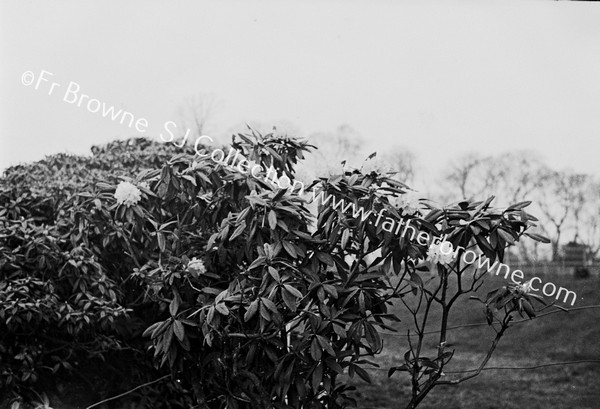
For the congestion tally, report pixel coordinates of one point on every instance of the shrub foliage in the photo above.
(222, 279)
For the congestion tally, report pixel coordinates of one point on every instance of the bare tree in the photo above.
(511, 177)
(588, 219)
(514, 176)
(343, 144)
(196, 115)
(464, 175)
(559, 200)
(401, 161)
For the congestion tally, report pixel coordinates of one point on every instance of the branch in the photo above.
(479, 324)
(128, 392)
(530, 367)
(505, 323)
(489, 368)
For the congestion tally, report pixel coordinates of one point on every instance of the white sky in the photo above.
(439, 77)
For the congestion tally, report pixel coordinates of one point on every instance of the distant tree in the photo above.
(514, 175)
(561, 198)
(588, 219)
(401, 161)
(578, 202)
(464, 174)
(196, 115)
(342, 144)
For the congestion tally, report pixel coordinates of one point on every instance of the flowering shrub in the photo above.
(239, 293)
(62, 296)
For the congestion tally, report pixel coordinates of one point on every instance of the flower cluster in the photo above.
(375, 165)
(409, 203)
(524, 288)
(196, 267)
(127, 194)
(371, 166)
(441, 252)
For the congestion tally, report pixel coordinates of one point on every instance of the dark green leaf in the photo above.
(252, 308)
(362, 373)
(538, 237)
(315, 349)
(317, 377)
(174, 306)
(178, 330)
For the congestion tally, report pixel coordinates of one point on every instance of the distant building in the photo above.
(575, 254)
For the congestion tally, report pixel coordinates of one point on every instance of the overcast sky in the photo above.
(438, 77)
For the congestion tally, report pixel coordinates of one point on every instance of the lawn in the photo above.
(557, 337)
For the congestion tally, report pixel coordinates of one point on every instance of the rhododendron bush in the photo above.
(152, 260)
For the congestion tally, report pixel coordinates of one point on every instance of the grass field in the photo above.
(557, 337)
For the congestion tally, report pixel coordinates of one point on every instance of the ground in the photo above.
(558, 337)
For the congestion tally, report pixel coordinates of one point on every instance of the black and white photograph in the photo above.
(299, 204)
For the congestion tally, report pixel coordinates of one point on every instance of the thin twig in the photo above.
(128, 392)
(479, 324)
(505, 324)
(593, 361)
(530, 367)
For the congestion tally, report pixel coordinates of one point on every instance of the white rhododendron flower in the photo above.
(127, 194)
(409, 202)
(525, 288)
(442, 253)
(196, 266)
(370, 166)
(376, 165)
(144, 185)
